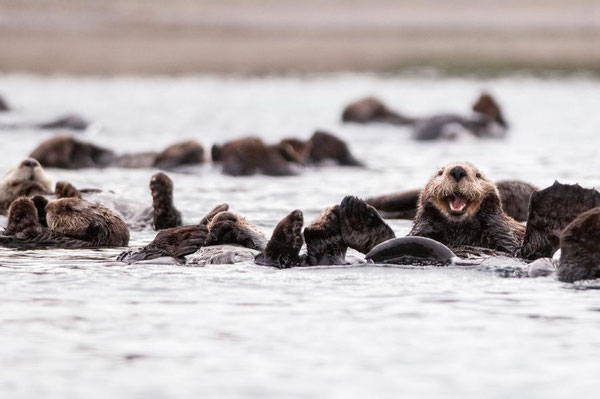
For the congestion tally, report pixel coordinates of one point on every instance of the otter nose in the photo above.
(458, 172)
(29, 163)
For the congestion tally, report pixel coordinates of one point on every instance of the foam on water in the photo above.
(78, 324)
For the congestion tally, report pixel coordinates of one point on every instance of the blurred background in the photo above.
(280, 36)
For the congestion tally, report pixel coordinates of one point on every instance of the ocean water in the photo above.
(76, 323)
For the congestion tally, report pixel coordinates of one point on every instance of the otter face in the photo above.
(457, 191)
(26, 179)
(161, 183)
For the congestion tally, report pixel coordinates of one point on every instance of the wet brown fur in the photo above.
(361, 225)
(283, 248)
(324, 242)
(483, 224)
(580, 248)
(27, 179)
(229, 228)
(371, 109)
(164, 213)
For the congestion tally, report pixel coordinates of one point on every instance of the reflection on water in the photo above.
(75, 323)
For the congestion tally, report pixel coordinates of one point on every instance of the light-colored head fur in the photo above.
(26, 179)
(442, 187)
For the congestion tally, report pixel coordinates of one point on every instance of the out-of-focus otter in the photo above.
(461, 207)
(514, 194)
(29, 178)
(68, 121)
(250, 155)
(486, 122)
(67, 152)
(3, 105)
(71, 223)
(322, 147)
(371, 109)
(550, 211)
(580, 248)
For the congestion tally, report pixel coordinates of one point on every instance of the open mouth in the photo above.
(457, 204)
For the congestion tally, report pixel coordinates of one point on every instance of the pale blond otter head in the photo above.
(457, 191)
(26, 179)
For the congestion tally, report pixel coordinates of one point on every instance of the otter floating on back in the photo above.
(27, 179)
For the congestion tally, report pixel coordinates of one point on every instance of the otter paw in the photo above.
(362, 227)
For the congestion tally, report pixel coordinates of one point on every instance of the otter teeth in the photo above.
(457, 203)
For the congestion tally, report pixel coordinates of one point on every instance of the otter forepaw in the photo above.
(362, 227)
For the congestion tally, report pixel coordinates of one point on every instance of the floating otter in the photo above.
(164, 214)
(371, 109)
(68, 121)
(66, 152)
(550, 211)
(580, 248)
(230, 238)
(250, 155)
(320, 148)
(486, 122)
(515, 196)
(71, 223)
(459, 207)
(29, 178)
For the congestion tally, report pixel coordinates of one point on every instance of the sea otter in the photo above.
(550, 211)
(67, 152)
(515, 195)
(459, 206)
(322, 147)
(486, 122)
(71, 223)
(250, 155)
(29, 178)
(230, 238)
(371, 109)
(580, 248)
(164, 214)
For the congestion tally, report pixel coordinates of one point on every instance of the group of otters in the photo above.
(250, 155)
(459, 214)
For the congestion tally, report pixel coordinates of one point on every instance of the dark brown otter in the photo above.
(459, 207)
(361, 225)
(176, 242)
(67, 152)
(164, 215)
(325, 146)
(72, 223)
(324, 242)
(230, 228)
(283, 248)
(65, 189)
(514, 194)
(580, 248)
(486, 122)
(250, 155)
(300, 148)
(371, 109)
(550, 211)
(28, 178)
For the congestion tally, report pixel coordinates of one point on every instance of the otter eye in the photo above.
(440, 172)
(478, 175)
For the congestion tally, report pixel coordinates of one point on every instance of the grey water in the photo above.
(76, 323)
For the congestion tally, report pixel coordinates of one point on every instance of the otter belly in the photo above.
(411, 251)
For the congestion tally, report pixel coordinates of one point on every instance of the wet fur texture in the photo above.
(82, 220)
(230, 228)
(483, 223)
(580, 248)
(371, 109)
(27, 179)
(361, 225)
(65, 189)
(550, 211)
(283, 248)
(250, 155)
(176, 242)
(324, 242)
(325, 146)
(515, 195)
(164, 213)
